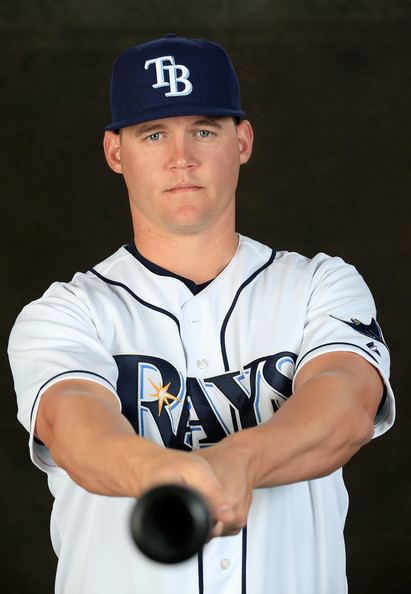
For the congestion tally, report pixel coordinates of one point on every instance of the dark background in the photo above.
(327, 85)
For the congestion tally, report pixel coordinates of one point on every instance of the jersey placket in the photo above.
(222, 557)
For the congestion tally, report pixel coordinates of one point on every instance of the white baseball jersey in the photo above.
(190, 367)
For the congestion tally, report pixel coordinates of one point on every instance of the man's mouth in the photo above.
(184, 187)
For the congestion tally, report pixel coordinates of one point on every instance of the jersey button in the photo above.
(225, 563)
(202, 363)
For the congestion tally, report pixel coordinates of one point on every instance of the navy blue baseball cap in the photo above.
(173, 76)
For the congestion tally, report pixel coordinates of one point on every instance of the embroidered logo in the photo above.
(177, 75)
(162, 395)
(373, 347)
(372, 330)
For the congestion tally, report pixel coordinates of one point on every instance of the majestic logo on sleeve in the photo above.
(372, 330)
(188, 413)
(177, 75)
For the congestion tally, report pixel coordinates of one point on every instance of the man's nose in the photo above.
(182, 154)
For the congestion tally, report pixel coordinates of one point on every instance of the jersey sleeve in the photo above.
(54, 339)
(341, 316)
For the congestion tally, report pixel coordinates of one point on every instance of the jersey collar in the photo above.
(156, 269)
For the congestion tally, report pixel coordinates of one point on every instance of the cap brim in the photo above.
(173, 111)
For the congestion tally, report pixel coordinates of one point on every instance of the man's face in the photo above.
(181, 172)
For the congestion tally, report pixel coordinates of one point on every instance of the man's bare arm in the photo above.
(329, 418)
(326, 421)
(81, 423)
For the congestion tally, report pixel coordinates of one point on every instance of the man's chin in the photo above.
(189, 222)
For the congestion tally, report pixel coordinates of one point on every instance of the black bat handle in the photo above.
(170, 523)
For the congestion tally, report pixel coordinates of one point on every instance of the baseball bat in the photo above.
(170, 523)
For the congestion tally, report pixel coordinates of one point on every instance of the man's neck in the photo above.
(199, 258)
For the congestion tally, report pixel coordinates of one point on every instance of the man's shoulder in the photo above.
(120, 259)
(282, 258)
(84, 282)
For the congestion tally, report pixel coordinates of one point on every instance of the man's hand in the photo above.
(168, 466)
(232, 465)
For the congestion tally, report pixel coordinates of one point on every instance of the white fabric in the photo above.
(296, 307)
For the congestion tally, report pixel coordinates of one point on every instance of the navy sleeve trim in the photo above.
(335, 343)
(136, 297)
(230, 311)
(60, 375)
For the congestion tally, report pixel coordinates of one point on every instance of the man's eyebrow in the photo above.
(159, 125)
(208, 121)
(149, 127)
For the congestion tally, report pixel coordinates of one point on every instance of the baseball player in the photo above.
(197, 356)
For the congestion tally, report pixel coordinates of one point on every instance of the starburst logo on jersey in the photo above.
(162, 395)
(372, 330)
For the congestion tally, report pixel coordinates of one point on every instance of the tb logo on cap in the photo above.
(167, 65)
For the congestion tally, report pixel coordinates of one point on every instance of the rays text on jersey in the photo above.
(200, 411)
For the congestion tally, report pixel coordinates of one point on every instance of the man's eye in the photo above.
(154, 136)
(204, 133)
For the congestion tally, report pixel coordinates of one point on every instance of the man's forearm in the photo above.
(326, 421)
(87, 436)
(305, 440)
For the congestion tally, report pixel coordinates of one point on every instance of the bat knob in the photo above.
(170, 523)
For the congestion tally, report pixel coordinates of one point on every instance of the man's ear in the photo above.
(111, 144)
(245, 139)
